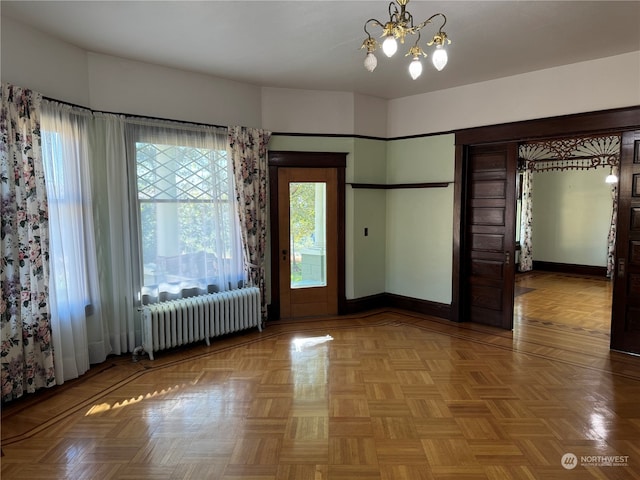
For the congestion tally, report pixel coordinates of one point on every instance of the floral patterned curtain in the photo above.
(26, 351)
(526, 219)
(613, 227)
(248, 150)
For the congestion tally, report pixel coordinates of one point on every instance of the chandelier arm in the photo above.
(410, 21)
(428, 21)
(393, 16)
(444, 17)
(417, 40)
(375, 22)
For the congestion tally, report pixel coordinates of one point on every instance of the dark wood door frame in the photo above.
(607, 121)
(279, 159)
(625, 318)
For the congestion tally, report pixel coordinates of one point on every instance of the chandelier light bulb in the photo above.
(415, 68)
(370, 62)
(389, 46)
(439, 58)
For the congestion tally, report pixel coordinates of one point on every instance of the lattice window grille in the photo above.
(179, 173)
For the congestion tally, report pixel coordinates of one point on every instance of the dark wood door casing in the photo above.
(625, 316)
(277, 159)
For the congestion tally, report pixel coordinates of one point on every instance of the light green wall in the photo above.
(571, 216)
(419, 244)
(409, 247)
(423, 159)
(370, 165)
(369, 211)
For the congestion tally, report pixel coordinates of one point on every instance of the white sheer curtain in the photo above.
(189, 236)
(116, 222)
(78, 332)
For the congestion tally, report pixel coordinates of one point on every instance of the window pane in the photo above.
(63, 208)
(308, 234)
(189, 234)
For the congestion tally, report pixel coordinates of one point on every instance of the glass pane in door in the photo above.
(307, 237)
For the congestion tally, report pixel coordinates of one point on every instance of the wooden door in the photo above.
(625, 316)
(488, 273)
(308, 241)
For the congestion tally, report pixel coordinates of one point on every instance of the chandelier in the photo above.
(399, 25)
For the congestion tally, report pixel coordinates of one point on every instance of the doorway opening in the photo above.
(475, 203)
(566, 214)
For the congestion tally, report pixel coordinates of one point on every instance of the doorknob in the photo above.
(507, 258)
(621, 267)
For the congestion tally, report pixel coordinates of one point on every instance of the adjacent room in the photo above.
(320, 240)
(566, 230)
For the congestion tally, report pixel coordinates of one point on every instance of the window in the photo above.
(307, 231)
(189, 236)
(72, 257)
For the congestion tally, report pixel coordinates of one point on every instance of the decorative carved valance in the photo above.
(579, 153)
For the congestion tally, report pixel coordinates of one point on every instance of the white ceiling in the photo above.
(316, 44)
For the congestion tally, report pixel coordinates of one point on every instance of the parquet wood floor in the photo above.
(385, 395)
(574, 300)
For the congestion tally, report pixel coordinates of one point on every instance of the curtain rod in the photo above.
(128, 115)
